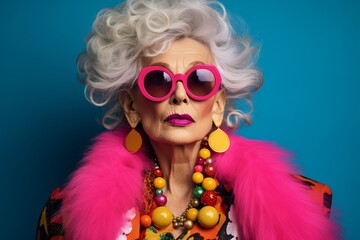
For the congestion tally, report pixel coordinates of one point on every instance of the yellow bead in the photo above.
(159, 182)
(197, 177)
(204, 153)
(208, 217)
(209, 184)
(162, 217)
(192, 214)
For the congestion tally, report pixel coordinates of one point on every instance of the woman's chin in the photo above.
(176, 135)
(178, 138)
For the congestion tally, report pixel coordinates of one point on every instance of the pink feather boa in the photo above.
(269, 203)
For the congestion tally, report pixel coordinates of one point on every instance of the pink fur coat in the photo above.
(269, 203)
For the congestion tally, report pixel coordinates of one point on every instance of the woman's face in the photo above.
(179, 119)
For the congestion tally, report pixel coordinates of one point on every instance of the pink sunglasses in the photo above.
(157, 83)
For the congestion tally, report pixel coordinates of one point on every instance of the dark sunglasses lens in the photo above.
(157, 83)
(201, 82)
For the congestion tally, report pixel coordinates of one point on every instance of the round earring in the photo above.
(218, 140)
(133, 139)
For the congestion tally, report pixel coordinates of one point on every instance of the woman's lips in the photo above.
(179, 119)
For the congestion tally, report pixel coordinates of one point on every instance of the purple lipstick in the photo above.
(179, 120)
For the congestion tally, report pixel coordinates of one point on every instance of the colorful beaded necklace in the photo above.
(201, 206)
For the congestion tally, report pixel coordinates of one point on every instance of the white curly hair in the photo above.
(123, 36)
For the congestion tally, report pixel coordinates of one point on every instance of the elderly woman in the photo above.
(168, 73)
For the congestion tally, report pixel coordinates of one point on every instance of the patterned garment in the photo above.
(225, 228)
(222, 230)
(50, 221)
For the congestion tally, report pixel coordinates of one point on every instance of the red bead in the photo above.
(209, 198)
(209, 170)
(199, 161)
(204, 144)
(158, 172)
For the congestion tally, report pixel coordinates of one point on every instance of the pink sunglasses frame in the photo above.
(179, 77)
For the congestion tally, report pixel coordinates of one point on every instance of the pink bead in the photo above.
(160, 200)
(199, 161)
(198, 168)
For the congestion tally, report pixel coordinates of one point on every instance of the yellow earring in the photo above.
(133, 139)
(218, 140)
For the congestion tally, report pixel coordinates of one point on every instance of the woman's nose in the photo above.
(179, 95)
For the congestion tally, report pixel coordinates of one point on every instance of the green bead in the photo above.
(158, 191)
(198, 191)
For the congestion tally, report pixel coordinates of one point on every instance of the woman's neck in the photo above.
(177, 164)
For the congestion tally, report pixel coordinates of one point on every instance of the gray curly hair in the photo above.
(123, 36)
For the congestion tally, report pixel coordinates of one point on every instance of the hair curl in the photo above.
(123, 36)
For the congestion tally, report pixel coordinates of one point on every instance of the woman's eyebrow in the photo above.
(194, 63)
(162, 64)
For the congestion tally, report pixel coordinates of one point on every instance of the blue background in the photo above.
(308, 104)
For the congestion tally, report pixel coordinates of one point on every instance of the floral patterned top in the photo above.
(224, 229)
(50, 222)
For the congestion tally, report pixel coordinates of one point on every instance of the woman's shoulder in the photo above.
(50, 223)
(264, 178)
(319, 192)
(258, 158)
(249, 157)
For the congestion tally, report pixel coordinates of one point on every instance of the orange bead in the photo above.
(145, 221)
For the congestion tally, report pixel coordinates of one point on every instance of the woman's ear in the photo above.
(130, 112)
(219, 107)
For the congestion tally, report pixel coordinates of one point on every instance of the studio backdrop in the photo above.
(309, 103)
